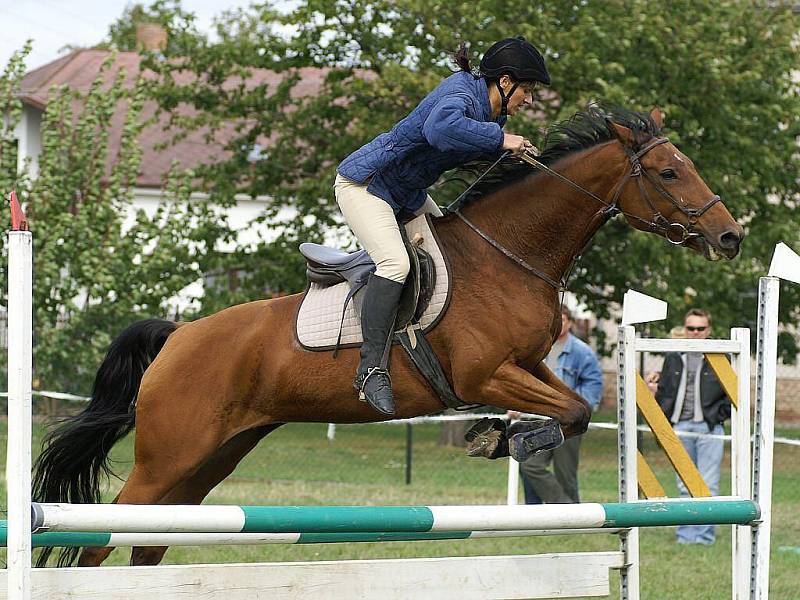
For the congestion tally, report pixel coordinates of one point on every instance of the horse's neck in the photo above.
(546, 221)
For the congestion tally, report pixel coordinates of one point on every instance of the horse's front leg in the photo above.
(544, 374)
(538, 391)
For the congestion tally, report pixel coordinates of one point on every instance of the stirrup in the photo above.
(361, 380)
(523, 445)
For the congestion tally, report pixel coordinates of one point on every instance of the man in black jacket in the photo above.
(693, 400)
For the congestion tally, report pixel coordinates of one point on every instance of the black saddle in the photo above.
(328, 266)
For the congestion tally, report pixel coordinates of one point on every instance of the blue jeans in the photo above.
(706, 453)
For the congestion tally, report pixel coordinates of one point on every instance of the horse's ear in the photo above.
(624, 135)
(657, 117)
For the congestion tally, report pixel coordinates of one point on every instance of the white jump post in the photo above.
(18, 458)
(749, 479)
(737, 346)
(785, 265)
(636, 308)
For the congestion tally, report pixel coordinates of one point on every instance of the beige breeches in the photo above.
(373, 222)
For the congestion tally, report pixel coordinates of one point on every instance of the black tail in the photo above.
(75, 454)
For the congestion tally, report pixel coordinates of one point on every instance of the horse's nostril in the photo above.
(729, 240)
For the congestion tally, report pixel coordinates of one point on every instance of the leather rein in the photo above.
(674, 232)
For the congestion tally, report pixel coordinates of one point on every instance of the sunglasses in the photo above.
(703, 328)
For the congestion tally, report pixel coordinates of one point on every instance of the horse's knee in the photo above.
(576, 418)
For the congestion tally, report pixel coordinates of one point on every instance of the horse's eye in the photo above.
(668, 174)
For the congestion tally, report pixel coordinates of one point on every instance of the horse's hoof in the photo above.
(524, 444)
(487, 438)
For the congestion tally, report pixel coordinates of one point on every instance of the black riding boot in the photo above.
(378, 312)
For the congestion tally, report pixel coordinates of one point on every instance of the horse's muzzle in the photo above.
(729, 241)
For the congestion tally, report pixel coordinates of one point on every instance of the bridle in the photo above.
(674, 232)
(660, 223)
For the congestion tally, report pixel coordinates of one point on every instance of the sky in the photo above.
(53, 24)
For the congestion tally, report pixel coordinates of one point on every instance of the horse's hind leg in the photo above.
(160, 472)
(143, 486)
(196, 487)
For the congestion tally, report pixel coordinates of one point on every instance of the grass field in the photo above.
(365, 464)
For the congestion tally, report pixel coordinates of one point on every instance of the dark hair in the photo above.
(461, 58)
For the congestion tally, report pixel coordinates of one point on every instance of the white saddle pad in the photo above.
(321, 309)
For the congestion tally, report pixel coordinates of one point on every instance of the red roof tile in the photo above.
(79, 69)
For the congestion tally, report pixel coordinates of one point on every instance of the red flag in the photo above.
(19, 221)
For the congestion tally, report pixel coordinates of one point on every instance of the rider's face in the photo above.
(523, 95)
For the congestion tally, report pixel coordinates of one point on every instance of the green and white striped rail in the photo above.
(76, 539)
(119, 518)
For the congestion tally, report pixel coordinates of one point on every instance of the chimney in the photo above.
(151, 37)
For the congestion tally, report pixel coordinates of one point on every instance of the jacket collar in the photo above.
(482, 92)
(483, 95)
(568, 344)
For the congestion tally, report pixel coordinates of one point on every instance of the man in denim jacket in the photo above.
(576, 364)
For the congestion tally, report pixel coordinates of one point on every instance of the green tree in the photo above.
(95, 273)
(178, 23)
(10, 113)
(720, 70)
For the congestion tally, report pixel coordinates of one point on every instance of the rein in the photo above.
(559, 286)
(675, 233)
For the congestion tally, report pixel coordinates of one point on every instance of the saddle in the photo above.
(328, 317)
(328, 266)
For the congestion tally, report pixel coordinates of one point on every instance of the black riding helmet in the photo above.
(517, 58)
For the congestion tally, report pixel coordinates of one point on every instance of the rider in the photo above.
(459, 121)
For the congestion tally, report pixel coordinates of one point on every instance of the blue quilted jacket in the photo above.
(451, 126)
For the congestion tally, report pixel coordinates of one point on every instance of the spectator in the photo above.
(678, 333)
(576, 364)
(693, 400)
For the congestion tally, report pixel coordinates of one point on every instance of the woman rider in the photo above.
(459, 121)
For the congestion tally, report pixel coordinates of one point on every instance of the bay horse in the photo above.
(204, 393)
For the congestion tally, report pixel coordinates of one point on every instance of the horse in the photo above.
(202, 394)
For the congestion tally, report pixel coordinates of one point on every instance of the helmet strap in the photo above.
(504, 98)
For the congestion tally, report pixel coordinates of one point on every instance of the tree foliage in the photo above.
(98, 265)
(169, 14)
(10, 115)
(721, 71)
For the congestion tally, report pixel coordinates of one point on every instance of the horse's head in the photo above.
(662, 192)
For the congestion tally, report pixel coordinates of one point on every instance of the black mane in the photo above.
(583, 130)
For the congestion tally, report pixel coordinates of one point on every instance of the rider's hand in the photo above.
(517, 144)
